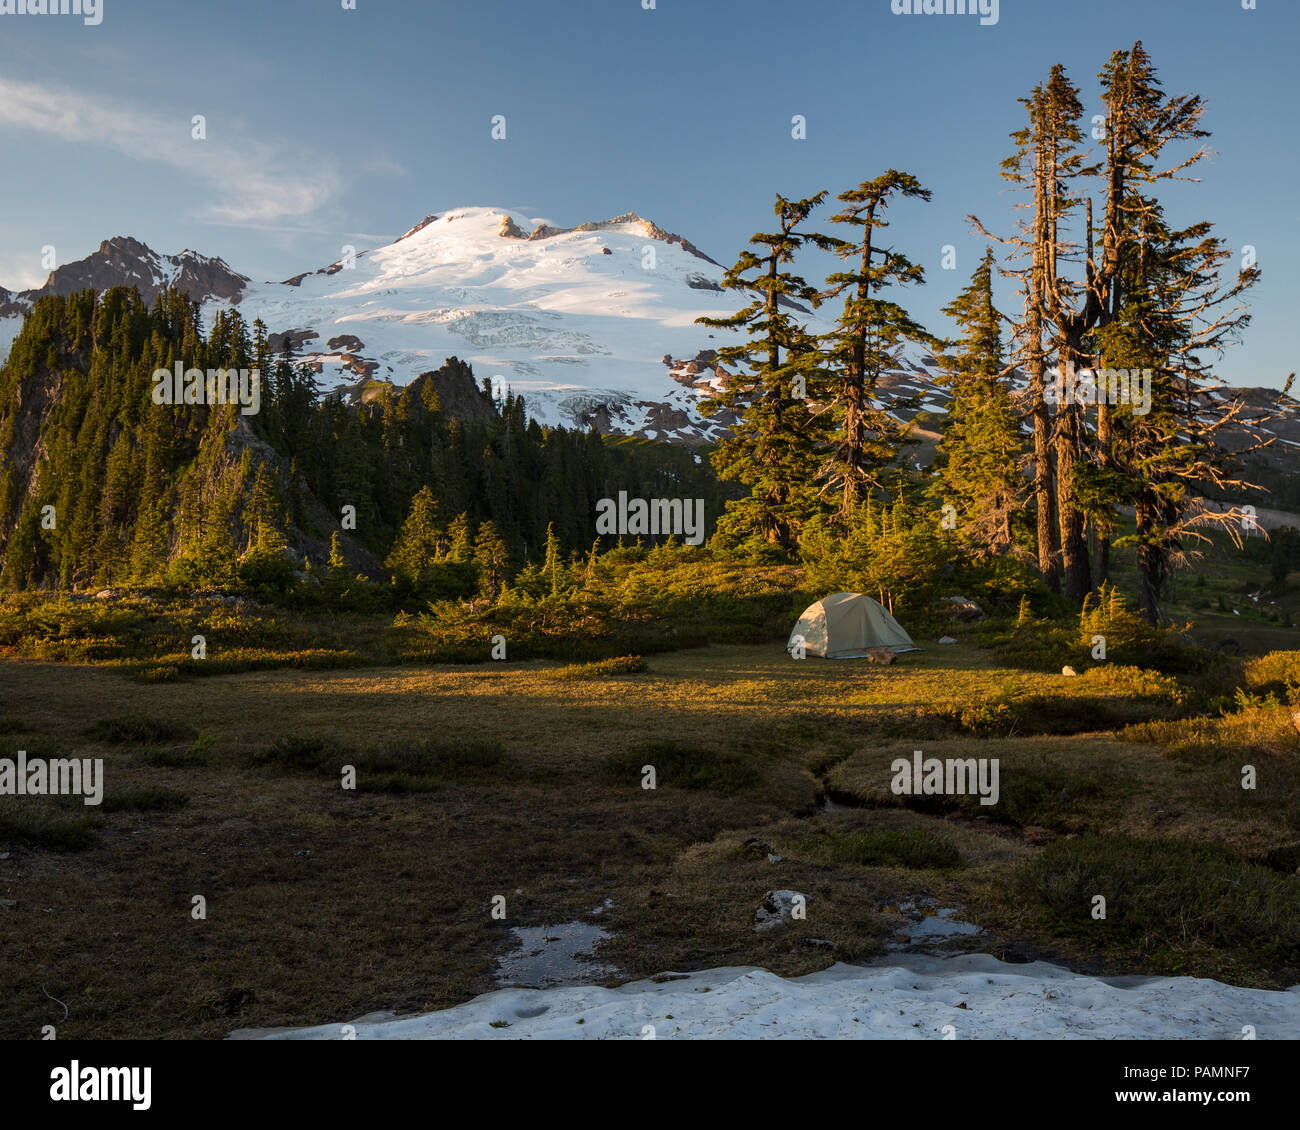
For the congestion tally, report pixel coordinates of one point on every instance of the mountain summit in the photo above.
(594, 325)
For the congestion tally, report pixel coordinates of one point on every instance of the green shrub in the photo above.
(397, 767)
(48, 825)
(144, 800)
(886, 847)
(138, 728)
(309, 755)
(620, 665)
(1277, 673)
(1179, 907)
(683, 767)
(178, 757)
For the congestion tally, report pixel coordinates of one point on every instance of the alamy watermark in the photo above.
(216, 386)
(1069, 385)
(638, 516)
(987, 10)
(90, 11)
(59, 776)
(953, 776)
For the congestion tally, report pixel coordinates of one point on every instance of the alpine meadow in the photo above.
(530, 626)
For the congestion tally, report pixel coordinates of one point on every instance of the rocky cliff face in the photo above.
(123, 261)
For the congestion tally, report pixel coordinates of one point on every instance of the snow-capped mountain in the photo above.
(593, 325)
(579, 321)
(123, 261)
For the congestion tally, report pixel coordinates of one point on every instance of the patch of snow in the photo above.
(981, 997)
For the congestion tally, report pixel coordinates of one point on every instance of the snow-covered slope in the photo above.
(970, 997)
(592, 325)
(578, 321)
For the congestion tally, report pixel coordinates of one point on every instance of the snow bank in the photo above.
(980, 997)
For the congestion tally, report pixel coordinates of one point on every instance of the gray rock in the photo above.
(778, 910)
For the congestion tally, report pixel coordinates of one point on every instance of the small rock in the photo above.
(1068, 671)
(106, 594)
(947, 639)
(777, 911)
(8, 904)
(819, 943)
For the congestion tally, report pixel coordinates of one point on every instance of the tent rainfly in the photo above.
(845, 625)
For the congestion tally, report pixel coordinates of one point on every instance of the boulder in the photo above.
(946, 639)
(1068, 671)
(963, 608)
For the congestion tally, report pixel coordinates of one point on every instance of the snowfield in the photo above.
(564, 320)
(970, 997)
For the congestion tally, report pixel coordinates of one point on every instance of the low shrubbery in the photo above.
(682, 767)
(395, 767)
(1105, 620)
(889, 847)
(1172, 906)
(48, 824)
(139, 729)
(148, 799)
(620, 665)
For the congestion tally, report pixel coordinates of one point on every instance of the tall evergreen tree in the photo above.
(980, 453)
(421, 542)
(771, 446)
(867, 340)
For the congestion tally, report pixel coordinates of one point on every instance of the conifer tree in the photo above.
(771, 446)
(867, 340)
(421, 542)
(492, 556)
(981, 448)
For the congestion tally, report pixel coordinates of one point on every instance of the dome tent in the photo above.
(845, 625)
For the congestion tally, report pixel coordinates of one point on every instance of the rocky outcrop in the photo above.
(650, 229)
(295, 338)
(123, 261)
(418, 227)
(457, 393)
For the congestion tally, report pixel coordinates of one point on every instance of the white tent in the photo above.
(845, 625)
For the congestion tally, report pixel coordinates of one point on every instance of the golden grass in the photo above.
(325, 905)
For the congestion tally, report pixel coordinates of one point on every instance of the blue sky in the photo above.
(328, 126)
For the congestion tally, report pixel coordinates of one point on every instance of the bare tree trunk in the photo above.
(1101, 546)
(1044, 483)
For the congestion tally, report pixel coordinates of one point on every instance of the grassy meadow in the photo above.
(523, 779)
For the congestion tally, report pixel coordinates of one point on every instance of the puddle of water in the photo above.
(548, 957)
(922, 926)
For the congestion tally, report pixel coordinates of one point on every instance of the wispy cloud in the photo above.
(251, 182)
